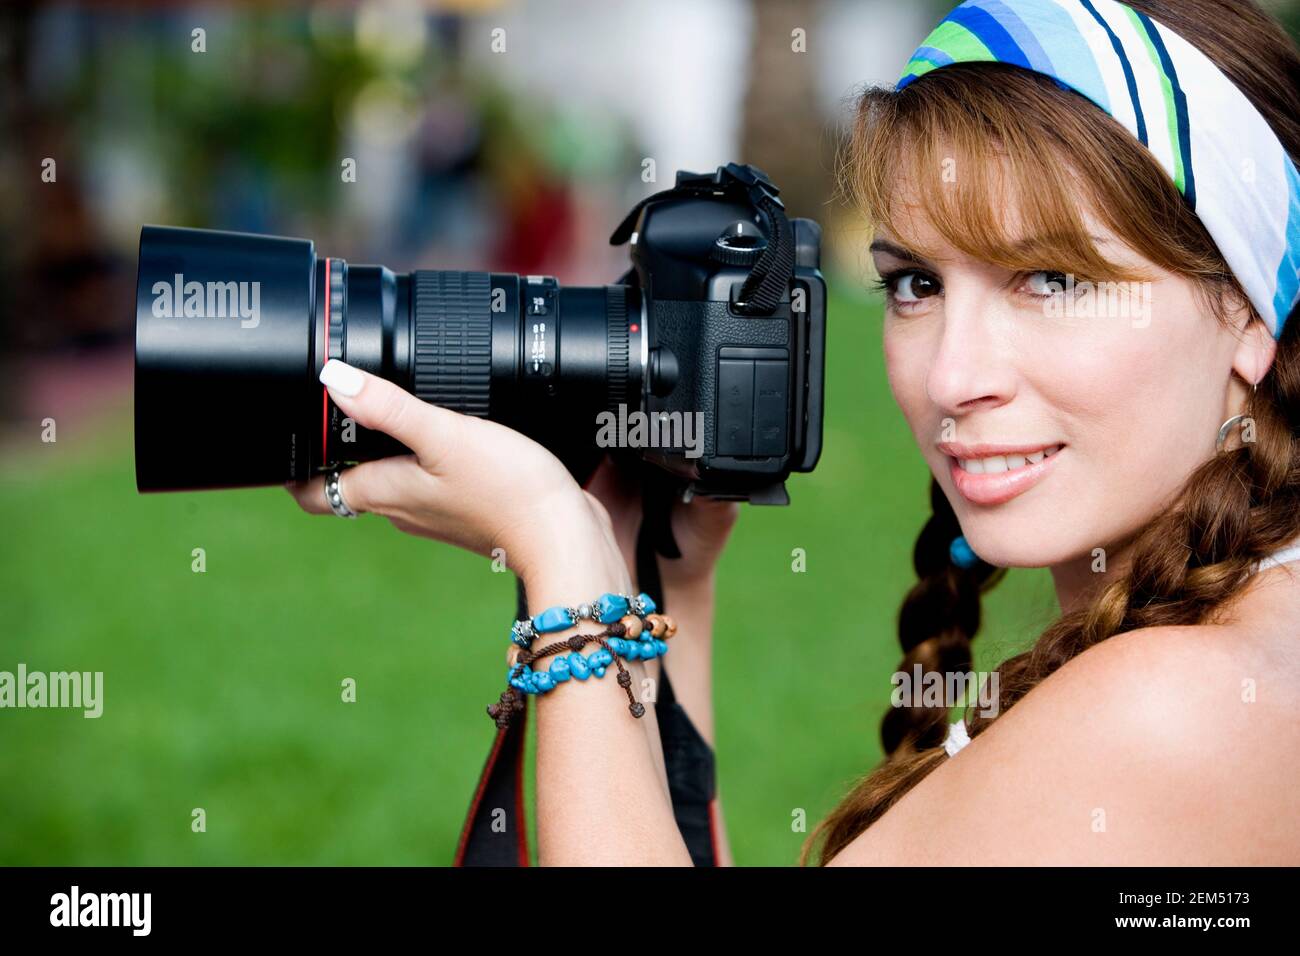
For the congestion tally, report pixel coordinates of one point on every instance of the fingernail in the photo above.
(342, 378)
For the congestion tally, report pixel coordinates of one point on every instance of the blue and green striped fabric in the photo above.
(1219, 151)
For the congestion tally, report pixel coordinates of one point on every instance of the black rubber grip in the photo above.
(453, 340)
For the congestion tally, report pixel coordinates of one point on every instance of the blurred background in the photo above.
(503, 136)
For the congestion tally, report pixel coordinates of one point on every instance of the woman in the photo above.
(1088, 234)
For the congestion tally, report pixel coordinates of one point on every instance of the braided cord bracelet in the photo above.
(606, 609)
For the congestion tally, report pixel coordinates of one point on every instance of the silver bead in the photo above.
(585, 610)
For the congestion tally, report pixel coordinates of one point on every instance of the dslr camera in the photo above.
(704, 359)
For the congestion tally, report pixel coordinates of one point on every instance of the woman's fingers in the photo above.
(712, 518)
(377, 404)
(705, 524)
(310, 495)
(377, 486)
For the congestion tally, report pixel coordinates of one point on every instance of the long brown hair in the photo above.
(1052, 144)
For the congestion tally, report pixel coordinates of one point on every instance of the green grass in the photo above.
(222, 689)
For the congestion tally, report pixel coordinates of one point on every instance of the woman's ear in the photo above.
(1256, 348)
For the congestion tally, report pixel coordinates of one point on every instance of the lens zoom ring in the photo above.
(616, 347)
(453, 340)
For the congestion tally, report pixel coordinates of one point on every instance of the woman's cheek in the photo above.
(905, 372)
(911, 346)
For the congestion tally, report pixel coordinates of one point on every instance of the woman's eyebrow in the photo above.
(1021, 247)
(897, 251)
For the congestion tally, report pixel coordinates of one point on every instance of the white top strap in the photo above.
(957, 738)
(1280, 557)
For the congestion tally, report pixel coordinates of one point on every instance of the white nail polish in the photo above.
(342, 378)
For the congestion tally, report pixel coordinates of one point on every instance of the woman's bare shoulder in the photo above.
(1208, 675)
(1167, 745)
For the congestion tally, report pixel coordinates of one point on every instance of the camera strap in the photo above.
(496, 829)
(769, 279)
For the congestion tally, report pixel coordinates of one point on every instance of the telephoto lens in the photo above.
(233, 329)
(706, 359)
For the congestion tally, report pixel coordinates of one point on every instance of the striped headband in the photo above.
(1220, 152)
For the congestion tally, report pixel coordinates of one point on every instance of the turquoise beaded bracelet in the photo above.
(522, 677)
(633, 637)
(606, 609)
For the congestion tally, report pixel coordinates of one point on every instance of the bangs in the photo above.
(966, 152)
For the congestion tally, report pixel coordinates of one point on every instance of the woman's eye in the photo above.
(910, 287)
(1046, 283)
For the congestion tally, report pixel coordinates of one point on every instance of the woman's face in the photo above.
(1056, 421)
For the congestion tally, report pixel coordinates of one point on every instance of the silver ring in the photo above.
(334, 496)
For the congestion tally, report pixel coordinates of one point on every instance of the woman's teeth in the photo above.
(1000, 463)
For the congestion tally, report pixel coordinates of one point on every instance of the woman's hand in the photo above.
(470, 482)
(700, 527)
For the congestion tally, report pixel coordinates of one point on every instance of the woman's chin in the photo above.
(1020, 544)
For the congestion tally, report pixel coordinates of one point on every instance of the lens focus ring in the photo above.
(453, 340)
(616, 348)
(338, 293)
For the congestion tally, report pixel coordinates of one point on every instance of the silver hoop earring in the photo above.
(1234, 420)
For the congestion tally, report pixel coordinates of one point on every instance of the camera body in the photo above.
(753, 377)
(705, 359)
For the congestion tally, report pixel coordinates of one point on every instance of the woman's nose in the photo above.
(972, 365)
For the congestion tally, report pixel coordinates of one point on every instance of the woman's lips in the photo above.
(997, 487)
